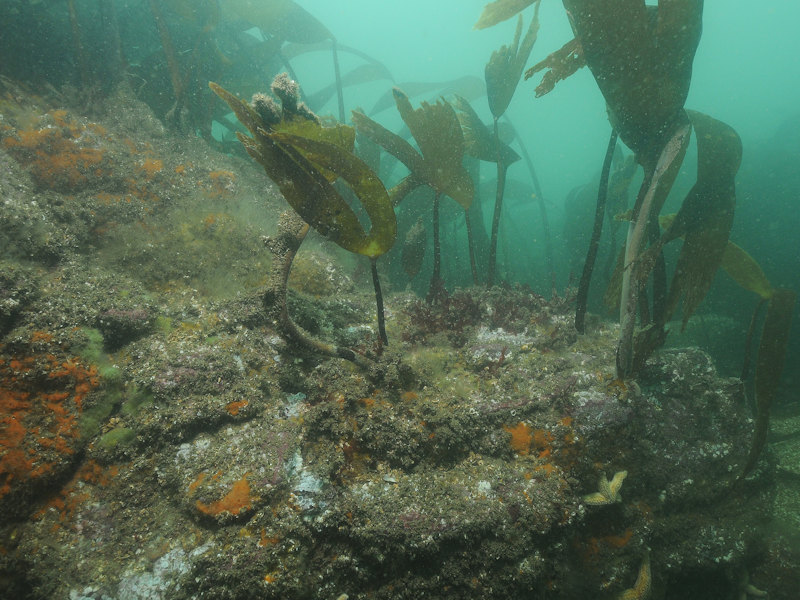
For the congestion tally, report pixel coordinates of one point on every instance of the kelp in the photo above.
(504, 69)
(292, 50)
(706, 215)
(641, 58)
(704, 220)
(559, 65)
(501, 10)
(617, 202)
(331, 215)
(771, 356)
(482, 144)
(360, 74)
(582, 298)
(413, 250)
(283, 19)
(295, 162)
(77, 44)
(652, 195)
(291, 232)
(204, 13)
(540, 199)
(437, 131)
(287, 21)
(745, 271)
(479, 141)
(769, 365)
(392, 143)
(736, 262)
(469, 87)
(303, 158)
(372, 70)
(438, 164)
(178, 87)
(502, 74)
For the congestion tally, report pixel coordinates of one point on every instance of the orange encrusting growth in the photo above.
(542, 440)
(233, 408)
(198, 480)
(41, 398)
(67, 501)
(221, 184)
(69, 155)
(521, 437)
(151, 166)
(618, 541)
(234, 502)
(63, 156)
(267, 540)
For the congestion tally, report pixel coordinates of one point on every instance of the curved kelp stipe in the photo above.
(361, 74)
(304, 158)
(652, 194)
(703, 222)
(540, 199)
(582, 298)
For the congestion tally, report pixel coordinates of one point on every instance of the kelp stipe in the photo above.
(641, 57)
(481, 144)
(438, 164)
(304, 158)
(769, 365)
(597, 230)
(503, 72)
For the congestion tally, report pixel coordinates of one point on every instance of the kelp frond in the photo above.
(501, 10)
(560, 64)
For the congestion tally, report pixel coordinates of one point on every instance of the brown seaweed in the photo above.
(500, 10)
(438, 164)
(304, 158)
(503, 73)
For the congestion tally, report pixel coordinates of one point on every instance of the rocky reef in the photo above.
(159, 440)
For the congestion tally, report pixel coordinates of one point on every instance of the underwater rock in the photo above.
(184, 449)
(42, 395)
(122, 326)
(18, 287)
(229, 476)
